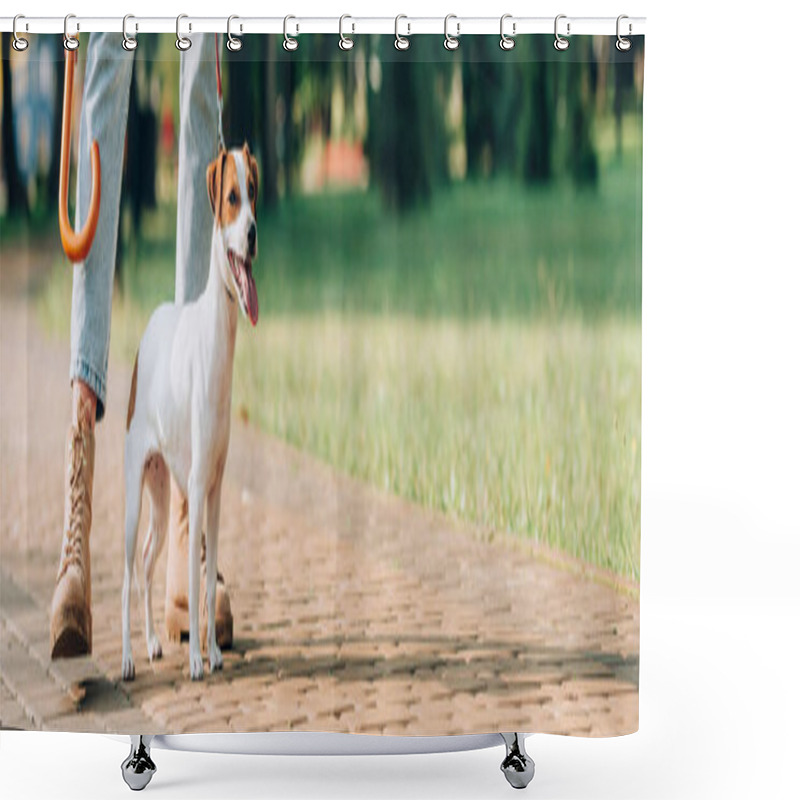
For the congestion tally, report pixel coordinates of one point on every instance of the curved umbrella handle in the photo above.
(76, 244)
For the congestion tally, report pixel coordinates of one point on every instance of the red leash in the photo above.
(219, 94)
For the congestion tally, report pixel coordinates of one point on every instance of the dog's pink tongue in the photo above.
(252, 298)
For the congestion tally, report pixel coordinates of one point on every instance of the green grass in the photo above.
(478, 250)
(481, 356)
(530, 428)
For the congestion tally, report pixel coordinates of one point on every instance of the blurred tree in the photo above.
(138, 190)
(406, 141)
(321, 57)
(268, 177)
(242, 100)
(582, 163)
(493, 89)
(139, 181)
(260, 95)
(287, 140)
(480, 80)
(434, 83)
(536, 128)
(397, 141)
(623, 90)
(53, 173)
(17, 195)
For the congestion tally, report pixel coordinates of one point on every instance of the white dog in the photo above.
(180, 403)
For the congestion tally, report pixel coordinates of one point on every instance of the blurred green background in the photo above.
(449, 269)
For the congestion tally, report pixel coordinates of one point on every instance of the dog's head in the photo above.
(232, 180)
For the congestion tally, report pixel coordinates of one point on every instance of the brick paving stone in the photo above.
(354, 610)
(13, 715)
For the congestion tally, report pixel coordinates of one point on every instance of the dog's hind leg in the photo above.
(133, 505)
(156, 479)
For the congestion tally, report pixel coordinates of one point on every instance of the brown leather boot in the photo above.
(177, 600)
(71, 610)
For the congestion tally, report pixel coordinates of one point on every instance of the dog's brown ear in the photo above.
(253, 167)
(254, 172)
(214, 182)
(211, 183)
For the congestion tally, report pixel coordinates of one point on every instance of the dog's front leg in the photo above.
(212, 537)
(196, 502)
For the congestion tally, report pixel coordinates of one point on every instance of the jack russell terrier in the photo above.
(180, 406)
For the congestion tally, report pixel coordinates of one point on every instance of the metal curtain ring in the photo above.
(19, 44)
(401, 42)
(507, 42)
(560, 43)
(451, 42)
(233, 44)
(70, 42)
(183, 43)
(623, 44)
(289, 43)
(128, 42)
(345, 42)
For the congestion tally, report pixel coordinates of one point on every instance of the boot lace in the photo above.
(79, 517)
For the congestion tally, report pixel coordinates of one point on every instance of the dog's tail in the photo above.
(132, 396)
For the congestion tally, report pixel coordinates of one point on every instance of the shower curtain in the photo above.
(427, 266)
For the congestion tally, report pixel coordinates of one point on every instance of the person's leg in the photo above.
(198, 146)
(104, 117)
(104, 114)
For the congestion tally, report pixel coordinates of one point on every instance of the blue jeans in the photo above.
(104, 117)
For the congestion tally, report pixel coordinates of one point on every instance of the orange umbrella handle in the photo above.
(76, 244)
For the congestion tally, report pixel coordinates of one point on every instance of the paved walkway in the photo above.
(354, 611)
